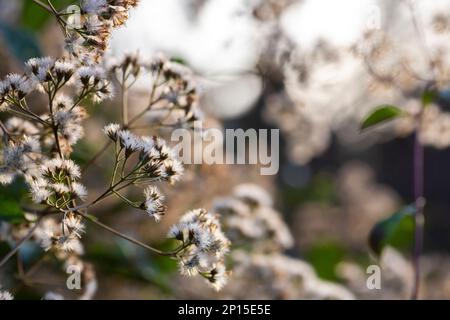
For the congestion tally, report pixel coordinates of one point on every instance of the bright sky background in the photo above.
(224, 39)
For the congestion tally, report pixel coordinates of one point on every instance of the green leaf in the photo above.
(381, 114)
(428, 97)
(10, 210)
(10, 199)
(324, 256)
(21, 44)
(396, 231)
(178, 60)
(34, 17)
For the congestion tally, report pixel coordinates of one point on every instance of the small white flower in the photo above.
(90, 74)
(73, 224)
(205, 246)
(129, 141)
(4, 86)
(218, 277)
(62, 101)
(93, 6)
(17, 156)
(147, 144)
(173, 170)
(5, 295)
(102, 91)
(153, 203)
(39, 191)
(18, 85)
(69, 119)
(19, 126)
(65, 243)
(92, 79)
(31, 144)
(6, 176)
(93, 25)
(111, 130)
(67, 166)
(254, 194)
(79, 190)
(40, 68)
(176, 232)
(64, 67)
(47, 240)
(60, 188)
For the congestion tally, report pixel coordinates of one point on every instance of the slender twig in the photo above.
(124, 236)
(152, 101)
(418, 159)
(25, 278)
(20, 243)
(419, 218)
(421, 37)
(124, 101)
(43, 5)
(61, 21)
(6, 133)
(108, 192)
(96, 156)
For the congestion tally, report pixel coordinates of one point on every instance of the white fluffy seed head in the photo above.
(6, 176)
(93, 6)
(129, 141)
(17, 86)
(111, 130)
(153, 203)
(73, 224)
(5, 295)
(64, 67)
(207, 246)
(40, 68)
(218, 277)
(39, 191)
(79, 190)
(54, 166)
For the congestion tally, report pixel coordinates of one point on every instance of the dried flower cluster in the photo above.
(38, 145)
(87, 36)
(248, 217)
(390, 64)
(61, 239)
(5, 295)
(277, 276)
(203, 246)
(175, 92)
(153, 161)
(260, 269)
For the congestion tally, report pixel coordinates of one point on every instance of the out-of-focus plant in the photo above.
(37, 148)
(429, 87)
(328, 84)
(260, 268)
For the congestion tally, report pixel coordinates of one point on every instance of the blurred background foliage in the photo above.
(310, 196)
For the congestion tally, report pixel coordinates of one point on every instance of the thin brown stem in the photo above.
(124, 101)
(43, 5)
(127, 123)
(419, 217)
(6, 133)
(20, 243)
(124, 236)
(96, 156)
